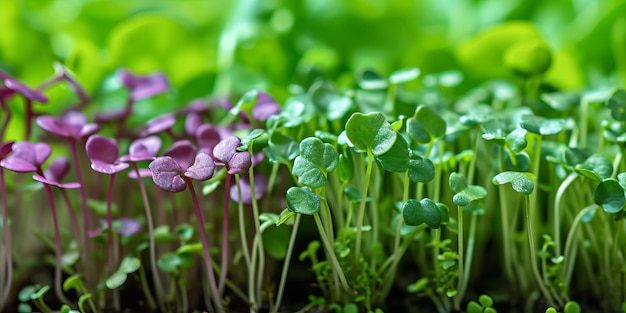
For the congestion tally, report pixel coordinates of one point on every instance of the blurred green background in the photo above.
(216, 47)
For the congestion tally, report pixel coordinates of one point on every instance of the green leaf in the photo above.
(331, 104)
(420, 169)
(73, 282)
(116, 280)
(129, 265)
(418, 286)
(81, 301)
(282, 148)
(24, 308)
(370, 132)
(610, 196)
(25, 293)
(185, 232)
(617, 105)
(316, 159)
(516, 140)
(245, 103)
(596, 167)
(528, 59)
(542, 126)
(426, 125)
(560, 101)
(397, 158)
(465, 194)
(168, 262)
(572, 307)
(521, 182)
(474, 307)
(494, 131)
(190, 248)
(621, 178)
(275, 241)
(285, 216)
(426, 211)
(250, 138)
(302, 200)
(404, 75)
(485, 300)
(346, 167)
(162, 234)
(371, 80)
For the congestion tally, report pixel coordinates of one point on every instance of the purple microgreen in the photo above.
(158, 124)
(124, 226)
(260, 188)
(226, 149)
(183, 152)
(53, 182)
(103, 153)
(265, 107)
(5, 149)
(202, 168)
(27, 92)
(207, 137)
(166, 174)
(240, 163)
(62, 73)
(142, 87)
(143, 173)
(143, 149)
(72, 125)
(26, 157)
(193, 122)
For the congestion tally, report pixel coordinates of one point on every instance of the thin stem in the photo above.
(72, 216)
(468, 261)
(460, 244)
(84, 209)
(242, 229)
(207, 256)
(111, 259)
(257, 225)
(158, 286)
(224, 264)
(331, 252)
(57, 242)
(568, 258)
(361, 214)
(557, 210)
(283, 275)
(7, 241)
(533, 256)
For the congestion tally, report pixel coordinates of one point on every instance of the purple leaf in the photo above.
(196, 106)
(207, 137)
(260, 188)
(56, 183)
(183, 152)
(166, 174)
(18, 165)
(6, 148)
(108, 117)
(192, 123)
(202, 168)
(108, 168)
(127, 226)
(265, 107)
(226, 148)
(101, 149)
(58, 168)
(142, 87)
(29, 93)
(143, 149)
(240, 163)
(72, 125)
(26, 157)
(103, 155)
(159, 124)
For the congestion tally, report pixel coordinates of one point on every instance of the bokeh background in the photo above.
(217, 47)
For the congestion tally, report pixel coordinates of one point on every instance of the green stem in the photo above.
(533, 255)
(569, 255)
(459, 296)
(283, 275)
(331, 252)
(258, 238)
(361, 214)
(557, 209)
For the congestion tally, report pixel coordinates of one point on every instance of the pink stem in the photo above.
(7, 238)
(84, 209)
(72, 216)
(208, 263)
(222, 280)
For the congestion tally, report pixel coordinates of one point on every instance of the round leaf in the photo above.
(302, 200)
(521, 182)
(426, 125)
(596, 167)
(370, 132)
(397, 158)
(610, 196)
(542, 126)
(418, 212)
(420, 169)
(617, 105)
